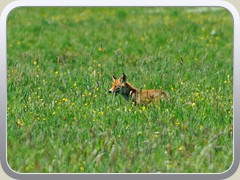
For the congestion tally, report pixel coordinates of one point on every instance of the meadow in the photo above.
(61, 118)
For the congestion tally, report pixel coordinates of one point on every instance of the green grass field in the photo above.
(61, 117)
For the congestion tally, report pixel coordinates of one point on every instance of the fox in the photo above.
(138, 96)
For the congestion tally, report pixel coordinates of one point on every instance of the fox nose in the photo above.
(110, 91)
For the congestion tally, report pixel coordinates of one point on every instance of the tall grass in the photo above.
(62, 119)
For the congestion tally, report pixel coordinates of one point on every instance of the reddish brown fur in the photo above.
(138, 96)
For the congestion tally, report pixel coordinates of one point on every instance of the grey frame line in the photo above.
(122, 3)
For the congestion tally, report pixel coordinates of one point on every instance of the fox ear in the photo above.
(114, 77)
(123, 77)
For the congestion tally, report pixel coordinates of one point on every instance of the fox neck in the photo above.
(129, 91)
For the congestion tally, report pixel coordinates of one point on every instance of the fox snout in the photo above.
(114, 91)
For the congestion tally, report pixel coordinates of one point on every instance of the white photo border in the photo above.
(122, 3)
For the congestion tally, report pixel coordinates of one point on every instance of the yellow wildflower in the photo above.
(180, 148)
(100, 49)
(20, 123)
(177, 123)
(64, 99)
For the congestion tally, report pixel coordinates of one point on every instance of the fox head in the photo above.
(118, 84)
